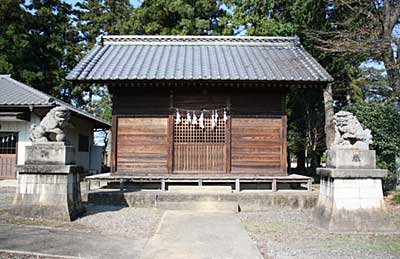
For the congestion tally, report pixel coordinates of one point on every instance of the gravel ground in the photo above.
(279, 233)
(6, 197)
(285, 233)
(7, 255)
(126, 221)
(106, 220)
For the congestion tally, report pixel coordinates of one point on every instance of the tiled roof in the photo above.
(199, 58)
(16, 94)
(13, 92)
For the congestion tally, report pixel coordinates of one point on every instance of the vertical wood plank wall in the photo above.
(142, 145)
(143, 125)
(8, 166)
(257, 146)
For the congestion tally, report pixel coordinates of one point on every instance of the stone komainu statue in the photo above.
(349, 132)
(52, 127)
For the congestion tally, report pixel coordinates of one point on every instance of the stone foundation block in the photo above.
(352, 205)
(350, 158)
(52, 153)
(51, 195)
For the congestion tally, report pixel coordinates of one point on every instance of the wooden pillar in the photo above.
(170, 144)
(228, 145)
(284, 146)
(114, 132)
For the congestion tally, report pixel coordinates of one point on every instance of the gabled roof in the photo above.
(120, 58)
(16, 94)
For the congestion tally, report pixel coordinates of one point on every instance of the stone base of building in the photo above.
(48, 191)
(351, 200)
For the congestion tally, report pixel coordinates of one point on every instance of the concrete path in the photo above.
(68, 243)
(195, 235)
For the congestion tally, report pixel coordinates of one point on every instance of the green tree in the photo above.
(383, 121)
(101, 104)
(363, 31)
(178, 17)
(12, 35)
(306, 136)
(100, 17)
(39, 44)
(261, 17)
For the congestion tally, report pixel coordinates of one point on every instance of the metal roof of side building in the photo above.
(126, 58)
(16, 94)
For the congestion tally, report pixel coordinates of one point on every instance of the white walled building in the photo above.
(22, 106)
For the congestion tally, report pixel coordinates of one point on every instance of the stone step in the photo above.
(245, 200)
(195, 201)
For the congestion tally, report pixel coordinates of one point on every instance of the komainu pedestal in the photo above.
(48, 184)
(351, 195)
(48, 190)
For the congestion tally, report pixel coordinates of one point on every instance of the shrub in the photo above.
(389, 182)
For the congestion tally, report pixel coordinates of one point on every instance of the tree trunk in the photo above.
(315, 162)
(301, 163)
(329, 127)
(289, 163)
(391, 18)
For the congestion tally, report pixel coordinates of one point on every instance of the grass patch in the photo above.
(396, 198)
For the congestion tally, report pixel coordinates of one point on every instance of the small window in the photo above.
(83, 145)
(8, 143)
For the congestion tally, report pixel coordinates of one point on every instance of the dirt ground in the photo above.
(283, 233)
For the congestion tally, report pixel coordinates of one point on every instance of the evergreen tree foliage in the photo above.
(102, 17)
(38, 44)
(383, 119)
(261, 17)
(178, 17)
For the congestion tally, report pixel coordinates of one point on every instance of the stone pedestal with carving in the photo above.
(351, 194)
(48, 184)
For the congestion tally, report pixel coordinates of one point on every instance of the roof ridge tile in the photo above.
(190, 39)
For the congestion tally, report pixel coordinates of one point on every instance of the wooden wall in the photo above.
(8, 166)
(142, 145)
(141, 131)
(258, 145)
(141, 101)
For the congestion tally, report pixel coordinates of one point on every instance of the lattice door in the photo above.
(199, 150)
